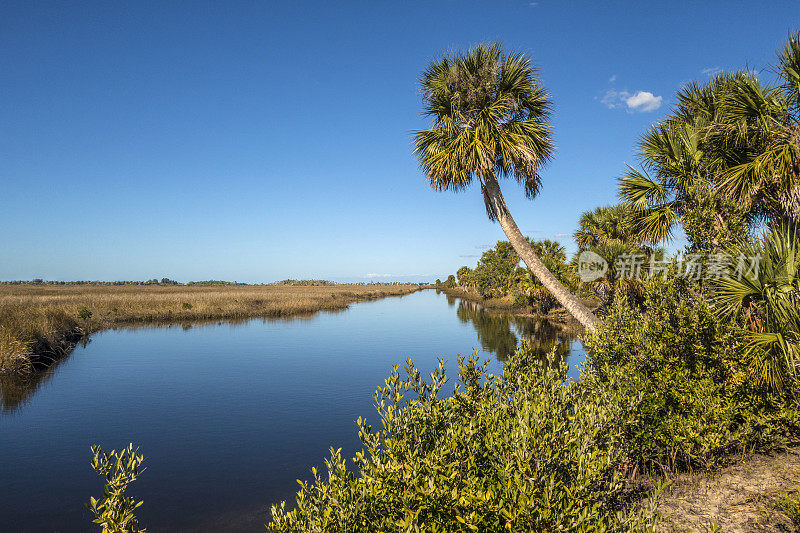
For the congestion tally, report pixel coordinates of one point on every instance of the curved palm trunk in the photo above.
(494, 199)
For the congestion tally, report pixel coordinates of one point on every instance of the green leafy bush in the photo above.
(115, 512)
(683, 374)
(520, 300)
(789, 504)
(519, 452)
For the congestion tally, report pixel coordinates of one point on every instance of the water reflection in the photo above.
(501, 334)
(497, 333)
(16, 390)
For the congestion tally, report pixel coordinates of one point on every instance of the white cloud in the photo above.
(611, 99)
(711, 70)
(560, 235)
(641, 101)
(612, 79)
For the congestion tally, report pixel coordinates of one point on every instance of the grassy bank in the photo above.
(504, 303)
(39, 323)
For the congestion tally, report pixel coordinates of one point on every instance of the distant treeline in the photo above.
(306, 282)
(324, 282)
(154, 281)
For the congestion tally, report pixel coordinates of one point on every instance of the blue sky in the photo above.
(256, 141)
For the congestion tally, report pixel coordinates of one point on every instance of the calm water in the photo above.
(229, 416)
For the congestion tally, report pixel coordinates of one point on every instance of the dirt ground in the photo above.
(737, 498)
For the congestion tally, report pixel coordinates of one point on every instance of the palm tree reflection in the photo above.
(500, 334)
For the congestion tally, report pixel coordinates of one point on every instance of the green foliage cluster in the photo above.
(766, 307)
(684, 377)
(498, 274)
(524, 451)
(115, 512)
(789, 504)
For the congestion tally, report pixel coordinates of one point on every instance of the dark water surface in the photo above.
(228, 415)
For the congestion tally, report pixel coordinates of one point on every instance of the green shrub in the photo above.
(84, 313)
(683, 373)
(520, 300)
(543, 300)
(789, 504)
(115, 512)
(519, 452)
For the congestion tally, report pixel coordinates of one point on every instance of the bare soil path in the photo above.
(737, 498)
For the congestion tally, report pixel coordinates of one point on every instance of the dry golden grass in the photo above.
(41, 322)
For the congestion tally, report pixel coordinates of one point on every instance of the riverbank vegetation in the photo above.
(669, 386)
(41, 322)
(498, 281)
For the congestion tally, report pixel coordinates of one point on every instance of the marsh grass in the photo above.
(39, 324)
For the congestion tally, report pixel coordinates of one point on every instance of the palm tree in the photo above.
(680, 175)
(606, 225)
(764, 122)
(490, 118)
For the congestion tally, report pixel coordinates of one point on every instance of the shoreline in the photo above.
(40, 325)
(558, 316)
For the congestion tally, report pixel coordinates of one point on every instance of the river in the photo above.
(228, 415)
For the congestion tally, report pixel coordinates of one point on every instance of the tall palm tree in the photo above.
(490, 118)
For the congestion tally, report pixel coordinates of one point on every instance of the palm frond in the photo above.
(789, 70)
(768, 303)
(639, 190)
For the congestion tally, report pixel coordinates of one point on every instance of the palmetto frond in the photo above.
(769, 304)
(654, 214)
(489, 115)
(655, 225)
(755, 121)
(673, 150)
(639, 190)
